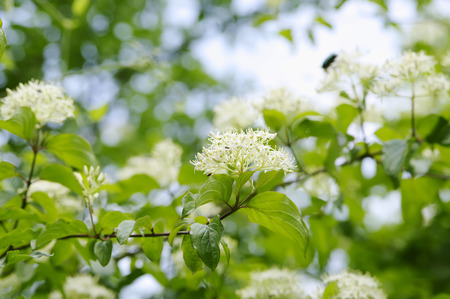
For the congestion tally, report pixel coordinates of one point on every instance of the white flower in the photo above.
(353, 285)
(63, 200)
(273, 283)
(281, 100)
(411, 66)
(90, 182)
(436, 83)
(9, 286)
(234, 114)
(238, 152)
(446, 60)
(47, 101)
(163, 165)
(83, 286)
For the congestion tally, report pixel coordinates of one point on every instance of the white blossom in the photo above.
(83, 286)
(9, 286)
(234, 113)
(348, 73)
(281, 100)
(436, 83)
(353, 285)
(91, 181)
(63, 200)
(240, 151)
(47, 101)
(446, 60)
(411, 66)
(163, 165)
(273, 283)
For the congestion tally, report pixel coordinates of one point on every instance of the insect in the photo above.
(329, 61)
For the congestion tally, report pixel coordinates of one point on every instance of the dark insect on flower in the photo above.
(227, 147)
(209, 174)
(329, 61)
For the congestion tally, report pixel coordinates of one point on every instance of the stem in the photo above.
(413, 124)
(91, 212)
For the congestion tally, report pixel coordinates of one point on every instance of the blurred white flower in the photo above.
(163, 165)
(238, 152)
(281, 100)
(348, 73)
(9, 286)
(436, 83)
(410, 66)
(91, 182)
(234, 113)
(47, 101)
(353, 285)
(61, 195)
(446, 60)
(273, 283)
(83, 286)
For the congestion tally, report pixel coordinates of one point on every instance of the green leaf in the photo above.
(61, 174)
(140, 183)
(179, 226)
(267, 180)
(205, 239)
(386, 134)
(274, 119)
(72, 150)
(124, 230)
(79, 7)
(153, 246)
(3, 42)
(279, 214)
(143, 223)
(322, 21)
(45, 206)
(14, 256)
(17, 213)
(345, 115)
(111, 219)
(287, 33)
(314, 128)
(217, 187)
(11, 239)
(7, 170)
(440, 132)
(331, 291)
(416, 194)
(103, 250)
(60, 229)
(226, 249)
(394, 153)
(261, 19)
(97, 114)
(188, 203)
(243, 178)
(190, 255)
(22, 124)
(61, 252)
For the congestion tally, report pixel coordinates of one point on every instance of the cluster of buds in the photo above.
(91, 181)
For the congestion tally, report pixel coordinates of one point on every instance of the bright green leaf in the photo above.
(124, 230)
(394, 153)
(217, 187)
(279, 214)
(22, 124)
(287, 33)
(60, 229)
(7, 170)
(188, 203)
(274, 119)
(205, 239)
(72, 150)
(153, 246)
(190, 255)
(61, 174)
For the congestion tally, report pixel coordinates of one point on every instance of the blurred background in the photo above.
(144, 70)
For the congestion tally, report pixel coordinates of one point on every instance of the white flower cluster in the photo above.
(273, 283)
(91, 182)
(352, 285)
(281, 100)
(347, 72)
(163, 165)
(47, 101)
(63, 200)
(234, 113)
(411, 68)
(238, 152)
(83, 286)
